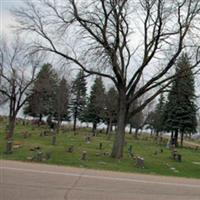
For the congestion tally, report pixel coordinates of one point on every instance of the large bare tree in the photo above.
(17, 72)
(133, 43)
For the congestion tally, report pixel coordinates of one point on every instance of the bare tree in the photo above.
(17, 72)
(131, 42)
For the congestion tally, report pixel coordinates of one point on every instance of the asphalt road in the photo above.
(30, 181)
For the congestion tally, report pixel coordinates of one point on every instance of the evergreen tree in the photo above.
(111, 108)
(96, 104)
(78, 97)
(136, 122)
(158, 121)
(43, 94)
(180, 108)
(62, 102)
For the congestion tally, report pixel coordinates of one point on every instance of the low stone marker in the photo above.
(83, 155)
(70, 149)
(139, 162)
(130, 150)
(17, 146)
(88, 139)
(26, 134)
(9, 147)
(176, 156)
(53, 140)
(106, 154)
(29, 158)
(48, 155)
(100, 145)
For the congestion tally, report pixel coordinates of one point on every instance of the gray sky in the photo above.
(6, 19)
(7, 4)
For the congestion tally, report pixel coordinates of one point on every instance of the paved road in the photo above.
(28, 181)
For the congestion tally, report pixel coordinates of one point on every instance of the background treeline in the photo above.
(55, 97)
(43, 92)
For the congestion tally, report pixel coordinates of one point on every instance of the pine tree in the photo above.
(135, 121)
(43, 94)
(111, 108)
(96, 104)
(78, 97)
(159, 115)
(181, 108)
(62, 102)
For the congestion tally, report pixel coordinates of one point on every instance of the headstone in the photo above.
(8, 147)
(48, 155)
(88, 139)
(70, 149)
(83, 155)
(179, 157)
(100, 145)
(130, 150)
(106, 154)
(176, 156)
(17, 146)
(156, 153)
(53, 140)
(139, 162)
(29, 158)
(37, 147)
(39, 156)
(98, 154)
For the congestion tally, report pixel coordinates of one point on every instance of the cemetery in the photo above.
(142, 155)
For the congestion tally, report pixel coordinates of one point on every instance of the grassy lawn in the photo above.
(160, 164)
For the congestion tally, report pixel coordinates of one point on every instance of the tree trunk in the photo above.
(9, 134)
(130, 130)
(59, 123)
(172, 136)
(182, 139)
(94, 128)
(110, 126)
(136, 133)
(75, 120)
(40, 118)
(107, 128)
(151, 134)
(11, 127)
(117, 150)
(157, 135)
(176, 138)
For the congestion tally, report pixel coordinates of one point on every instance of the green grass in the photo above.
(160, 164)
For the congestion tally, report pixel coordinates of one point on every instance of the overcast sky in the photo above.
(6, 19)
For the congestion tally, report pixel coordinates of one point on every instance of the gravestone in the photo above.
(130, 150)
(8, 147)
(53, 140)
(139, 162)
(176, 156)
(100, 145)
(83, 155)
(155, 152)
(39, 156)
(48, 155)
(70, 149)
(88, 139)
